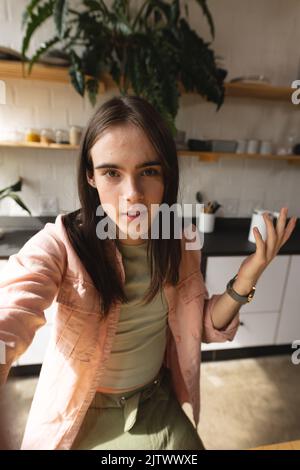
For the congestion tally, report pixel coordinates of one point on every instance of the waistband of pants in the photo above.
(129, 401)
(107, 400)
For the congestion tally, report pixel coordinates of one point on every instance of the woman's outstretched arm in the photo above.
(225, 308)
(28, 285)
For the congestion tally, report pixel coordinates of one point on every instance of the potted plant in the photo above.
(11, 191)
(151, 50)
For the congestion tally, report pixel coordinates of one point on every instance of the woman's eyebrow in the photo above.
(118, 167)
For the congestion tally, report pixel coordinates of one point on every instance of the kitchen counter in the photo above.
(13, 241)
(229, 238)
(14, 237)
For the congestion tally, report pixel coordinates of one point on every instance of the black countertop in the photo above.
(13, 241)
(230, 238)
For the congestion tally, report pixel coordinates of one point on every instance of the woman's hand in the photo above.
(253, 266)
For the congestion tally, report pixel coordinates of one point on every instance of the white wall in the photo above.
(252, 36)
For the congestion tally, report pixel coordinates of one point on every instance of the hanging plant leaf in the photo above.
(94, 5)
(92, 86)
(206, 12)
(76, 73)
(29, 10)
(45, 46)
(18, 200)
(60, 16)
(14, 187)
(34, 21)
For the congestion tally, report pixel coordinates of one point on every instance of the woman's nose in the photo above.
(133, 190)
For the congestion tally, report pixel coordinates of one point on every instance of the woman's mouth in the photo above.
(132, 215)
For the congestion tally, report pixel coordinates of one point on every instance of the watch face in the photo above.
(250, 296)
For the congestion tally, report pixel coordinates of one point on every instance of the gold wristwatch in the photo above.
(243, 299)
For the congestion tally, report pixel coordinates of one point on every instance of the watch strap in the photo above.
(243, 299)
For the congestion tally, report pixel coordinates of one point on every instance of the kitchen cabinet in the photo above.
(259, 318)
(289, 324)
(270, 287)
(257, 329)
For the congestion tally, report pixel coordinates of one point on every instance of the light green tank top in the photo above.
(140, 341)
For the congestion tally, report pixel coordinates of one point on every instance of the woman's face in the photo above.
(127, 175)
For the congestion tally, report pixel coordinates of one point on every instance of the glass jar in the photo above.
(61, 136)
(47, 136)
(75, 135)
(32, 135)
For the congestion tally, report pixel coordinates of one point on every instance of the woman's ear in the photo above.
(90, 180)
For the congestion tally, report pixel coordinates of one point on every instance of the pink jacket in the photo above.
(47, 269)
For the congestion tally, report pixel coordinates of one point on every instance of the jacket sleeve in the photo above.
(28, 285)
(210, 333)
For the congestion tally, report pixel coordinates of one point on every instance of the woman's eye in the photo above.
(147, 172)
(154, 172)
(111, 171)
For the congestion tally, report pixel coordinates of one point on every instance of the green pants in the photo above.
(148, 418)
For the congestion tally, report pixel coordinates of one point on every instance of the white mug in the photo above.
(258, 221)
(241, 146)
(252, 146)
(265, 147)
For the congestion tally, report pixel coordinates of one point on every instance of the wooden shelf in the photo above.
(202, 156)
(13, 69)
(259, 90)
(38, 145)
(215, 156)
(48, 73)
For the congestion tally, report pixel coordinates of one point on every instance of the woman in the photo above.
(132, 308)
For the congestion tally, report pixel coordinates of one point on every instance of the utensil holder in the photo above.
(206, 222)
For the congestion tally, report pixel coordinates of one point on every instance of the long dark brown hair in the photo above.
(99, 256)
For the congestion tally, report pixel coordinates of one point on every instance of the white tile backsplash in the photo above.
(252, 36)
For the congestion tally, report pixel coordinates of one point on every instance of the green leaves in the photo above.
(34, 17)
(29, 9)
(76, 73)
(92, 86)
(18, 200)
(149, 50)
(9, 191)
(14, 187)
(41, 50)
(96, 5)
(36, 14)
(60, 13)
(206, 12)
(199, 71)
